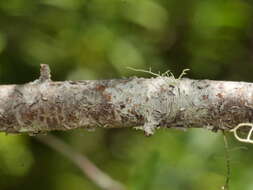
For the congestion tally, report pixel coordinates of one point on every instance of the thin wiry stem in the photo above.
(226, 186)
(97, 176)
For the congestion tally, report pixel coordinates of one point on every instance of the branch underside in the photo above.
(44, 105)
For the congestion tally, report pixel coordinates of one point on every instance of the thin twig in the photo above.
(100, 178)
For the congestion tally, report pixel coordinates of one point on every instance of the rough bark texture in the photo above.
(44, 105)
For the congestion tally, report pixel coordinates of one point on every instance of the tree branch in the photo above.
(44, 105)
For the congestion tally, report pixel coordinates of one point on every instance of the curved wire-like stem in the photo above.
(90, 170)
(228, 174)
(248, 138)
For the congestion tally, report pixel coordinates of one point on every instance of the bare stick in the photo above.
(98, 177)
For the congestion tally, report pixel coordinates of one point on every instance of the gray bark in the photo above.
(148, 104)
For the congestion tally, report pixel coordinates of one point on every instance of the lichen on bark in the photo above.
(161, 102)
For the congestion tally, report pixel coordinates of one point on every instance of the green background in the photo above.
(99, 39)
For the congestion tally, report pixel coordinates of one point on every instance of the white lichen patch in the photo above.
(145, 96)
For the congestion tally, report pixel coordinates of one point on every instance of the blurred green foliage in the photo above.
(98, 39)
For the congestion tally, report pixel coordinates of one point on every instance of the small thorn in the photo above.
(45, 74)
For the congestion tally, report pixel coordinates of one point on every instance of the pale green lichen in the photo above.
(167, 73)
